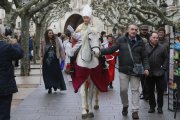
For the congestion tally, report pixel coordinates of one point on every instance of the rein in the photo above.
(91, 48)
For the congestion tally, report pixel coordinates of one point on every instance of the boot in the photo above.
(49, 91)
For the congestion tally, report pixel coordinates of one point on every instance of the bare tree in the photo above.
(114, 12)
(44, 18)
(25, 11)
(123, 12)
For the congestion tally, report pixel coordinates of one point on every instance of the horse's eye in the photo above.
(89, 39)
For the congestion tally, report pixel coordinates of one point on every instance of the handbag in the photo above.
(138, 68)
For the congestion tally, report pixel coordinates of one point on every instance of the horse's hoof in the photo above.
(96, 107)
(87, 110)
(90, 115)
(84, 116)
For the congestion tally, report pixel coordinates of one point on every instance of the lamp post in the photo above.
(163, 5)
(114, 30)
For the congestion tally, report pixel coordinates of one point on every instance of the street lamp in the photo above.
(114, 30)
(163, 5)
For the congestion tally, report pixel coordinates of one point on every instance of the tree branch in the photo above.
(6, 6)
(17, 3)
(41, 5)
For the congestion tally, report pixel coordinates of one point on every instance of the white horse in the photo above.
(88, 58)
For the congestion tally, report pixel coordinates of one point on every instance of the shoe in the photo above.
(141, 96)
(165, 93)
(110, 86)
(151, 110)
(135, 115)
(146, 98)
(125, 111)
(55, 89)
(49, 91)
(160, 111)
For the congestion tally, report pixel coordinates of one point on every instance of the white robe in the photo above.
(85, 51)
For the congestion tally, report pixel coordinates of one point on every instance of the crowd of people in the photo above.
(150, 49)
(140, 57)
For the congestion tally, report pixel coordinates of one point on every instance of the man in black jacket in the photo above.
(8, 52)
(158, 60)
(126, 65)
(144, 34)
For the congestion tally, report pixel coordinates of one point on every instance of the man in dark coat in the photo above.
(164, 41)
(126, 65)
(8, 52)
(144, 34)
(158, 60)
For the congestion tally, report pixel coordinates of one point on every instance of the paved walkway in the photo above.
(67, 106)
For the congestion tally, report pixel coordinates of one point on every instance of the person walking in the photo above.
(10, 50)
(53, 59)
(164, 40)
(130, 41)
(111, 60)
(158, 61)
(68, 48)
(144, 34)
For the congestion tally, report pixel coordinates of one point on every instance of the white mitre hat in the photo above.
(87, 11)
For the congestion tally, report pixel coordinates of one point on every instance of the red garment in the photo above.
(111, 59)
(98, 75)
(74, 41)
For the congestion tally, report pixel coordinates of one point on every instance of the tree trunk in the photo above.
(25, 62)
(37, 41)
(34, 50)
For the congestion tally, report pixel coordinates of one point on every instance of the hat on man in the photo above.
(144, 27)
(87, 11)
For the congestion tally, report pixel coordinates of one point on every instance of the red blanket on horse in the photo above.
(98, 75)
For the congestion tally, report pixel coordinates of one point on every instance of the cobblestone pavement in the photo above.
(66, 105)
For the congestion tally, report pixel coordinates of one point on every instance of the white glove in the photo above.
(70, 28)
(77, 36)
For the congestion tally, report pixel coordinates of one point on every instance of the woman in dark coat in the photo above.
(9, 51)
(53, 57)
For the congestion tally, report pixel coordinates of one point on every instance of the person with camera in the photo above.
(10, 50)
(158, 61)
(131, 53)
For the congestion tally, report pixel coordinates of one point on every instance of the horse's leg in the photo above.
(83, 98)
(96, 106)
(87, 106)
(91, 92)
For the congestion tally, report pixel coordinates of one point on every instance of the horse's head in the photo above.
(93, 38)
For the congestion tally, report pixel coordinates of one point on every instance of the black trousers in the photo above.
(5, 107)
(144, 84)
(158, 81)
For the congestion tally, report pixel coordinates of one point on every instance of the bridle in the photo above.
(90, 44)
(91, 47)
